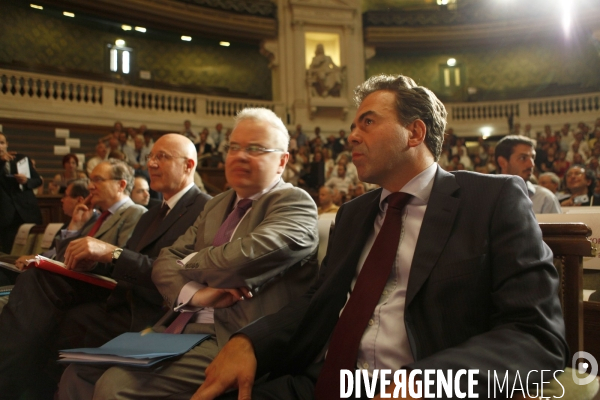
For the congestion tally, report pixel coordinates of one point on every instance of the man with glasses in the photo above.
(250, 252)
(39, 318)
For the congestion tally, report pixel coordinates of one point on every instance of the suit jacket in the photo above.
(116, 230)
(482, 289)
(272, 252)
(13, 199)
(133, 269)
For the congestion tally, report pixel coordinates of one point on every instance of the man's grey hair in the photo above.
(122, 171)
(553, 177)
(413, 102)
(269, 117)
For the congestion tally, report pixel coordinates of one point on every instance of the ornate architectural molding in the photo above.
(183, 16)
(270, 49)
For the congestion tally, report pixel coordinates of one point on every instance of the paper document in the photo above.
(23, 167)
(60, 268)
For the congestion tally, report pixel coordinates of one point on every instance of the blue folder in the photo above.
(134, 349)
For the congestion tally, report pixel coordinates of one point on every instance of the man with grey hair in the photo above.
(550, 181)
(422, 274)
(250, 252)
(32, 323)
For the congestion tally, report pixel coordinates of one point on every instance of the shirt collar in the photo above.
(259, 194)
(172, 202)
(113, 209)
(530, 188)
(419, 187)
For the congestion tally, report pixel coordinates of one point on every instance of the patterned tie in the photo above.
(151, 230)
(348, 332)
(98, 223)
(223, 236)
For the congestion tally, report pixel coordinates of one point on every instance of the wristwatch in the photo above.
(116, 254)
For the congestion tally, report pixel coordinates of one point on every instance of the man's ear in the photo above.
(282, 162)
(417, 130)
(189, 164)
(502, 163)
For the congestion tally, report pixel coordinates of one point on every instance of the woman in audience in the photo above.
(293, 170)
(70, 164)
(547, 165)
(580, 183)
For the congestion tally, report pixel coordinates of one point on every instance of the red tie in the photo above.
(223, 236)
(98, 223)
(348, 332)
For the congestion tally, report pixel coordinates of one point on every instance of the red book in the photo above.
(60, 268)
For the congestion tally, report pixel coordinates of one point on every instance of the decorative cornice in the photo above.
(264, 8)
(181, 16)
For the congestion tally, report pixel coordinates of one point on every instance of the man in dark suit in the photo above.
(48, 312)
(468, 283)
(17, 200)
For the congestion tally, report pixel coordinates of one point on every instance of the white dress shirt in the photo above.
(385, 342)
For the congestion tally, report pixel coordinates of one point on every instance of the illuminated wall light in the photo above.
(566, 19)
(225, 44)
(120, 42)
(140, 29)
(186, 38)
(451, 62)
(68, 14)
(126, 27)
(125, 63)
(36, 6)
(486, 131)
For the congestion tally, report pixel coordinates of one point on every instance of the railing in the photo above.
(41, 97)
(37, 86)
(28, 95)
(567, 108)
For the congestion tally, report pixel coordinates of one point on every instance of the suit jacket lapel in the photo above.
(182, 205)
(435, 231)
(113, 219)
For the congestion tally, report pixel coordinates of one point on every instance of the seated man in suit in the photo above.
(251, 251)
(424, 273)
(40, 301)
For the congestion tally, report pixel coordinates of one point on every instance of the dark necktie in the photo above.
(98, 223)
(151, 230)
(223, 236)
(228, 226)
(348, 332)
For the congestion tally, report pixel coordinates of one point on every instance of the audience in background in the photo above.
(140, 194)
(70, 164)
(326, 196)
(100, 155)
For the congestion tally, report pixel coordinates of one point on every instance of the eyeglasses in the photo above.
(99, 179)
(159, 157)
(253, 149)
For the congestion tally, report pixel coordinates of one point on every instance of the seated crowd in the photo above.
(242, 268)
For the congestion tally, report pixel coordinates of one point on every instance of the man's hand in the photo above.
(233, 368)
(82, 254)
(7, 156)
(22, 179)
(81, 214)
(219, 298)
(21, 262)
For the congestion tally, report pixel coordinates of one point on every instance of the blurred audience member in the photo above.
(326, 196)
(100, 155)
(70, 163)
(140, 194)
(18, 204)
(580, 183)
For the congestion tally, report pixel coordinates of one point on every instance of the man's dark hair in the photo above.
(412, 103)
(79, 187)
(506, 146)
(122, 171)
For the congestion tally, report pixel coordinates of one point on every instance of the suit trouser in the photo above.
(178, 379)
(47, 312)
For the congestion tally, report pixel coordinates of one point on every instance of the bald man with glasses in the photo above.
(251, 251)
